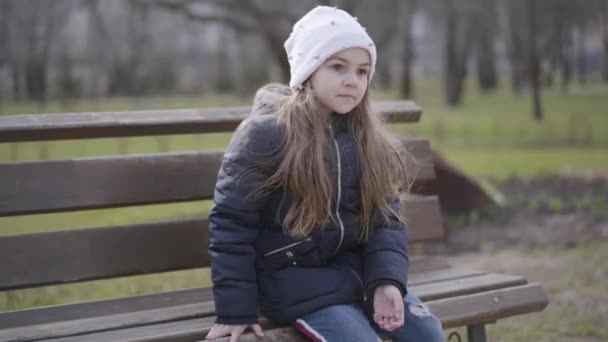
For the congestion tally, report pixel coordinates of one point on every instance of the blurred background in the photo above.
(514, 95)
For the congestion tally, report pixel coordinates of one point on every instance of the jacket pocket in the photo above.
(300, 253)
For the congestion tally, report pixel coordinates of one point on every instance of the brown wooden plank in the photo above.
(88, 254)
(59, 126)
(104, 323)
(178, 331)
(441, 275)
(489, 306)
(98, 253)
(282, 334)
(105, 182)
(90, 183)
(422, 263)
(423, 217)
(465, 285)
(181, 331)
(421, 168)
(104, 326)
(67, 312)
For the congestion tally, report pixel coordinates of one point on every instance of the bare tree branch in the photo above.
(246, 17)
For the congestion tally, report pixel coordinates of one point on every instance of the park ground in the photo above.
(564, 249)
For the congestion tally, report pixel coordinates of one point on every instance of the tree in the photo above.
(271, 21)
(127, 68)
(486, 66)
(516, 49)
(407, 9)
(98, 41)
(602, 6)
(32, 29)
(4, 51)
(533, 61)
(563, 42)
(457, 46)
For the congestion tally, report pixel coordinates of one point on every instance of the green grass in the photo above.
(490, 136)
(501, 163)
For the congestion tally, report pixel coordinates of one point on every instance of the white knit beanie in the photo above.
(321, 33)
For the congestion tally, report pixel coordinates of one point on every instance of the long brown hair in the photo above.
(302, 168)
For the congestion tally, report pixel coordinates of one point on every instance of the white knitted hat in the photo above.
(318, 35)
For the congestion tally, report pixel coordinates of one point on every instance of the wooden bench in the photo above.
(458, 296)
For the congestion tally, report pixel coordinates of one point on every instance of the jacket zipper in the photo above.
(362, 285)
(338, 210)
(339, 192)
(274, 251)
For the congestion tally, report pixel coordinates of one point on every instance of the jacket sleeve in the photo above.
(234, 223)
(385, 254)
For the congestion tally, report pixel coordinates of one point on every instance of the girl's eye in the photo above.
(362, 72)
(337, 67)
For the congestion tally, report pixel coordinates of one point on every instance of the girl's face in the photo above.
(341, 81)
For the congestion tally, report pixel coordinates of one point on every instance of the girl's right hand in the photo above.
(388, 307)
(234, 331)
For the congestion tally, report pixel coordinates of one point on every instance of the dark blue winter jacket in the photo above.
(255, 265)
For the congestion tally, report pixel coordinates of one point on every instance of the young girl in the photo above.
(305, 226)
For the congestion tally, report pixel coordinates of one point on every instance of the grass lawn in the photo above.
(491, 136)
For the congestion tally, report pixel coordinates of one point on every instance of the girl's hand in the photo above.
(221, 330)
(388, 307)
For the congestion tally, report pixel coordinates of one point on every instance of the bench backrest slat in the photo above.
(104, 182)
(153, 122)
(90, 183)
(99, 253)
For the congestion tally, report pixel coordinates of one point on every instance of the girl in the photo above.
(305, 226)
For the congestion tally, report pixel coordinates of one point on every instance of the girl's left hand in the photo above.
(388, 307)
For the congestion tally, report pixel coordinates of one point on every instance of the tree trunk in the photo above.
(534, 65)
(408, 8)
(453, 73)
(4, 49)
(462, 39)
(604, 19)
(581, 55)
(516, 45)
(564, 45)
(278, 52)
(98, 41)
(605, 71)
(16, 78)
(35, 79)
(486, 67)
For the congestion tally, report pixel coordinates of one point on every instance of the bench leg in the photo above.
(476, 333)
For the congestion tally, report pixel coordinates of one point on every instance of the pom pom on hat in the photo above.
(321, 33)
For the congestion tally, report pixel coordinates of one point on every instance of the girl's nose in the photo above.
(350, 80)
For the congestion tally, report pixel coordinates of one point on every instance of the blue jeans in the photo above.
(348, 323)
